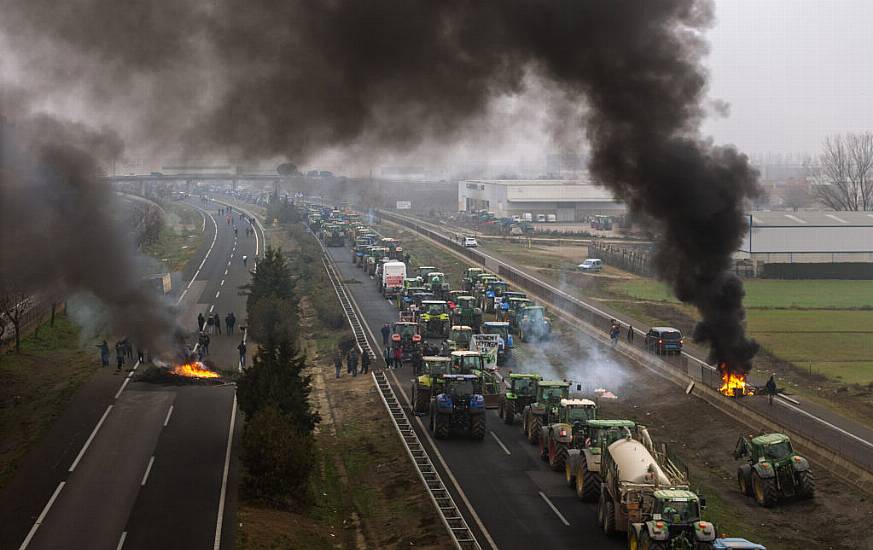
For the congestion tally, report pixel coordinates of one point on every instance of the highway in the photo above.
(518, 501)
(152, 465)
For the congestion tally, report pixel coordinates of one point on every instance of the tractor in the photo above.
(452, 298)
(513, 304)
(467, 313)
(503, 311)
(493, 295)
(405, 335)
(471, 277)
(773, 471)
(428, 382)
(459, 338)
(582, 469)
(533, 324)
(521, 392)
(434, 319)
(544, 409)
(438, 284)
(407, 295)
(466, 362)
(424, 271)
(566, 432)
(460, 406)
(504, 348)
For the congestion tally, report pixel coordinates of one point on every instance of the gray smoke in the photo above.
(298, 77)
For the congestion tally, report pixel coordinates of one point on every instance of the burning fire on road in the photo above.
(195, 369)
(733, 383)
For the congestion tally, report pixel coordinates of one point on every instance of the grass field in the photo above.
(180, 237)
(36, 384)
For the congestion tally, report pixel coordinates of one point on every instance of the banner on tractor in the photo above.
(487, 345)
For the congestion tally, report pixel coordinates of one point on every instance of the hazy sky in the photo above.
(793, 71)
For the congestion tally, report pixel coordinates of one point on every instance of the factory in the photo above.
(809, 244)
(566, 200)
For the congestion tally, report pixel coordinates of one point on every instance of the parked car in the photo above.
(551, 218)
(541, 218)
(591, 265)
(470, 242)
(664, 340)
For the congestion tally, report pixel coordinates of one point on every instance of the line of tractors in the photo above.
(639, 487)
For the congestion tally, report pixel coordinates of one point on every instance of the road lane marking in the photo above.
(554, 509)
(217, 294)
(169, 414)
(206, 257)
(42, 515)
(121, 389)
(121, 540)
(497, 439)
(222, 283)
(145, 476)
(225, 272)
(220, 519)
(211, 308)
(90, 439)
(228, 263)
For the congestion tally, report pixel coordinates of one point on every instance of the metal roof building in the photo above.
(569, 200)
(808, 237)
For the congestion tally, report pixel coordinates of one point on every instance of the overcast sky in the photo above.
(793, 71)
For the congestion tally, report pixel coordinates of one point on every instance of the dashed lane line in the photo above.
(145, 476)
(121, 540)
(555, 509)
(220, 518)
(169, 414)
(502, 446)
(90, 438)
(42, 515)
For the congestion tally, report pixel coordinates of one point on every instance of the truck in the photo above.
(460, 406)
(393, 275)
(522, 391)
(428, 381)
(773, 470)
(544, 409)
(567, 432)
(646, 495)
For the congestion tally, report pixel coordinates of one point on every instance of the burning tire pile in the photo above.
(194, 372)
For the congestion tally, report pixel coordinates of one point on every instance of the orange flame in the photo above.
(194, 370)
(734, 384)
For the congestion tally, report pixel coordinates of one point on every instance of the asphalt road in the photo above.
(520, 502)
(157, 465)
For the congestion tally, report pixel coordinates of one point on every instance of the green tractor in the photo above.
(374, 258)
(521, 392)
(582, 469)
(460, 406)
(773, 470)
(438, 284)
(434, 319)
(459, 338)
(544, 409)
(471, 277)
(567, 432)
(467, 313)
(533, 324)
(428, 382)
(424, 271)
(513, 304)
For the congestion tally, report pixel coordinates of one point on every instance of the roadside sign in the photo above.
(404, 205)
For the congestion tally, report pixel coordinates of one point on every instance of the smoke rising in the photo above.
(295, 78)
(59, 231)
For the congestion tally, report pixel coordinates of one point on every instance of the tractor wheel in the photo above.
(544, 449)
(744, 479)
(441, 426)
(422, 397)
(805, 484)
(534, 427)
(569, 475)
(633, 543)
(477, 427)
(601, 504)
(588, 483)
(509, 413)
(559, 457)
(609, 517)
(765, 491)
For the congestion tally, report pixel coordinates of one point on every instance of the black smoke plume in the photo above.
(297, 77)
(60, 230)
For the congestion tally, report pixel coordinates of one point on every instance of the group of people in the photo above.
(212, 323)
(351, 358)
(615, 332)
(123, 353)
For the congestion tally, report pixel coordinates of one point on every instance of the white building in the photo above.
(569, 200)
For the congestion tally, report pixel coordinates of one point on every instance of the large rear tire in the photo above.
(805, 484)
(569, 475)
(509, 412)
(477, 427)
(422, 398)
(766, 494)
(559, 457)
(744, 480)
(534, 427)
(441, 426)
(609, 517)
(587, 483)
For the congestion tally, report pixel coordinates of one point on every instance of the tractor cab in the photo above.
(434, 318)
(676, 507)
(425, 270)
(501, 329)
(437, 283)
(512, 305)
(523, 385)
(406, 336)
(452, 298)
(551, 392)
(459, 337)
(471, 275)
(603, 433)
(533, 323)
(577, 411)
(432, 369)
(465, 362)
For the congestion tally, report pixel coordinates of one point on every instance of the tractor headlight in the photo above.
(477, 401)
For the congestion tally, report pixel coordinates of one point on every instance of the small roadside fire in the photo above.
(734, 384)
(194, 370)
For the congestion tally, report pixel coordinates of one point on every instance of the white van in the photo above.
(470, 242)
(591, 265)
(541, 218)
(393, 273)
(551, 218)
(527, 216)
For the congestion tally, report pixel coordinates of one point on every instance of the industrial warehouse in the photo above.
(566, 200)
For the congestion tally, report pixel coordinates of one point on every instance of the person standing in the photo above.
(210, 324)
(229, 322)
(630, 334)
(386, 331)
(104, 353)
(216, 322)
(119, 355)
(771, 389)
(200, 322)
(242, 354)
(353, 362)
(338, 362)
(398, 357)
(365, 363)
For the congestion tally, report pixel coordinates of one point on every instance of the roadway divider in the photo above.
(684, 370)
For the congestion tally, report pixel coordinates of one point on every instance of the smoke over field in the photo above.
(268, 78)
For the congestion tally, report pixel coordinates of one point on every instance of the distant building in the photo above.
(569, 200)
(801, 238)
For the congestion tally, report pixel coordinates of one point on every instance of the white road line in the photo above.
(42, 516)
(225, 272)
(90, 439)
(228, 263)
(169, 414)
(145, 476)
(220, 519)
(555, 510)
(502, 446)
(121, 541)
(217, 294)
(222, 283)
(826, 423)
(211, 308)
(211, 246)
(121, 389)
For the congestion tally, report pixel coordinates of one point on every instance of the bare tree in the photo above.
(844, 172)
(14, 302)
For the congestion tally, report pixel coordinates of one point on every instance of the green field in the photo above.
(180, 237)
